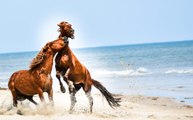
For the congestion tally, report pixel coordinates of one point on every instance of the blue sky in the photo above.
(26, 25)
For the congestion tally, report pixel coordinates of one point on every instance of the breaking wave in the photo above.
(130, 72)
(180, 71)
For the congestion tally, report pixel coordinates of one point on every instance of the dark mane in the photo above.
(39, 57)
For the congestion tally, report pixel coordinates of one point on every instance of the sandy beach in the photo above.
(135, 107)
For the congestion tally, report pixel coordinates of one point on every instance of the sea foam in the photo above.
(129, 72)
(180, 71)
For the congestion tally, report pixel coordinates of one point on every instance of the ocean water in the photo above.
(159, 69)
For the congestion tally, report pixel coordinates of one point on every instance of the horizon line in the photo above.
(106, 46)
(147, 43)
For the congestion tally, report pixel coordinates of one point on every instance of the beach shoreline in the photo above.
(135, 107)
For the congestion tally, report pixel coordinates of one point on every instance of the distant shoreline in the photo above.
(3, 88)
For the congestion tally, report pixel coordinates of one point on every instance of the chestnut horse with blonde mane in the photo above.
(26, 83)
(76, 75)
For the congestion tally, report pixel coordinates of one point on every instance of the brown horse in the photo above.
(76, 75)
(26, 83)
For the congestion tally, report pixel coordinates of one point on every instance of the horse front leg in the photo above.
(50, 96)
(41, 96)
(62, 88)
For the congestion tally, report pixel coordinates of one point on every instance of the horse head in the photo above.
(57, 45)
(51, 47)
(66, 30)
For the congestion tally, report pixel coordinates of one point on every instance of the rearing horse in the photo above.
(26, 83)
(76, 75)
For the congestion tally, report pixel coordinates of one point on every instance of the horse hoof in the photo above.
(70, 111)
(19, 112)
(52, 103)
(63, 90)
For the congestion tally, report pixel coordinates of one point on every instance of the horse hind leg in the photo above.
(11, 86)
(71, 86)
(72, 95)
(73, 100)
(14, 95)
(87, 89)
(89, 96)
(30, 98)
(22, 97)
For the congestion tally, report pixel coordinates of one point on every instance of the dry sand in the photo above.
(132, 108)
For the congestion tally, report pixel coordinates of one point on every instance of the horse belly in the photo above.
(76, 78)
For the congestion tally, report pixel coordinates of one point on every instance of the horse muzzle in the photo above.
(72, 34)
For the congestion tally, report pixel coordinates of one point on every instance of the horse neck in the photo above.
(47, 64)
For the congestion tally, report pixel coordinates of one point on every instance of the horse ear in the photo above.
(62, 24)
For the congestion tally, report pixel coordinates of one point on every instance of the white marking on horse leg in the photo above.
(71, 86)
(73, 101)
(88, 94)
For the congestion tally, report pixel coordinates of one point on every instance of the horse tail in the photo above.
(112, 101)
